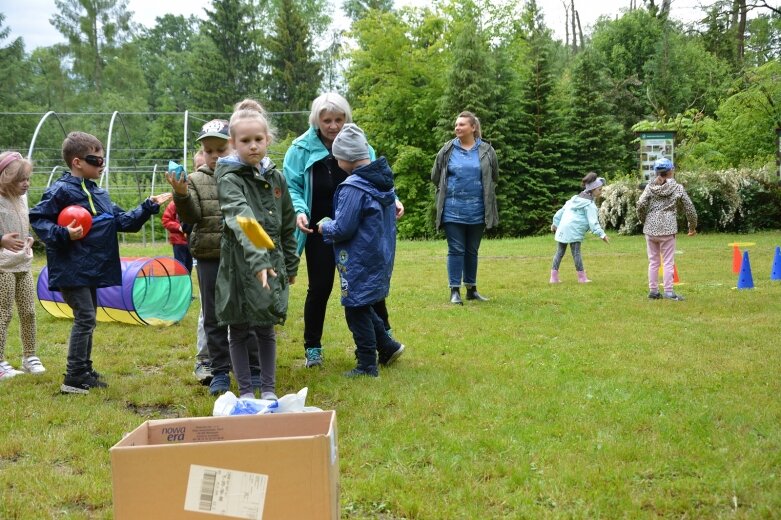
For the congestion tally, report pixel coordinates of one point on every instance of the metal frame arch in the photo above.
(51, 175)
(184, 145)
(38, 129)
(107, 169)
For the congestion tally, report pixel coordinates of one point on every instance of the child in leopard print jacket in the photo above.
(657, 209)
(16, 258)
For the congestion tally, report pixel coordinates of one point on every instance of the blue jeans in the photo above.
(84, 302)
(463, 241)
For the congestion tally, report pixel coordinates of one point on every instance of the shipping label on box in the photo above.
(235, 494)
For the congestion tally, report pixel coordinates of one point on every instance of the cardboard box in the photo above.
(276, 466)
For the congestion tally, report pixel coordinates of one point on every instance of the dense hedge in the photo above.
(728, 200)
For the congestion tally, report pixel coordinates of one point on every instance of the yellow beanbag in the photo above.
(255, 232)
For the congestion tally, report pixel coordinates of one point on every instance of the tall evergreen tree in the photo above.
(295, 75)
(235, 71)
(501, 132)
(597, 135)
(167, 50)
(540, 130)
(95, 30)
(469, 84)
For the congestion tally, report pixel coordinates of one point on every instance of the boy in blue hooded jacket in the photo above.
(363, 233)
(79, 262)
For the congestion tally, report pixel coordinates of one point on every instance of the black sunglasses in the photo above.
(94, 160)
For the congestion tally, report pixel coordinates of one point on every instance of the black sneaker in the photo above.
(81, 384)
(359, 372)
(654, 295)
(387, 359)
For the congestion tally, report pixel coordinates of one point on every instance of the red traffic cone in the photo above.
(675, 274)
(736, 259)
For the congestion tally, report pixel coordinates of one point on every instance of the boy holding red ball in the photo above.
(79, 263)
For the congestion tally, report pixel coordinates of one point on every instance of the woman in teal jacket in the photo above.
(572, 221)
(312, 175)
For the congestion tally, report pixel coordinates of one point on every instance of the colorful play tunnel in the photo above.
(154, 291)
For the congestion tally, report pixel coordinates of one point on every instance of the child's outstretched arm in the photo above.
(691, 213)
(346, 218)
(135, 219)
(593, 222)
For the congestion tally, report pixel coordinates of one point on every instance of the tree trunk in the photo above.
(580, 30)
(566, 23)
(574, 39)
(742, 11)
(665, 12)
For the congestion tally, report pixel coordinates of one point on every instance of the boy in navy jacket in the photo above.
(79, 263)
(364, 236)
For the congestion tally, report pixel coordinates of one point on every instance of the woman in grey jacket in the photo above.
(465, 173)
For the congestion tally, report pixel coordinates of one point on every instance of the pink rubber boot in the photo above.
(582, 278)
(554, 276)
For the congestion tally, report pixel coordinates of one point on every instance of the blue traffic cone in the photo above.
(745, 280)
(775, 273)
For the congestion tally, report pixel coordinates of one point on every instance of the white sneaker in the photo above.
(269, 396)
(7, 371)
(33, 365)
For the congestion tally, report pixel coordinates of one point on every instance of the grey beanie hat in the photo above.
(350, 144)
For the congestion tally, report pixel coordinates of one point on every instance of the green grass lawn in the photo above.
(567, 401)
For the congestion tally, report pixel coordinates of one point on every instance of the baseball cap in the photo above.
(663, 164)
(214, 128)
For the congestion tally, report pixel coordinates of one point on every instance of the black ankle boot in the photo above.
(472, 294)
(455, 296)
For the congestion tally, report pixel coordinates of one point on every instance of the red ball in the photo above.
(77, 213)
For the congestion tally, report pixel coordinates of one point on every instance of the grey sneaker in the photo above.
(203, 372)
(314, 357)
(269, 396)
(673, 296)
(654, 295)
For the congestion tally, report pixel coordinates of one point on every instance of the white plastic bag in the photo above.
(229, 404)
